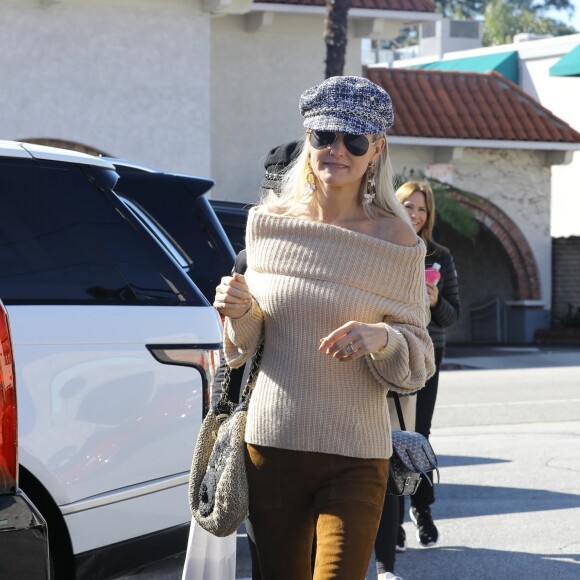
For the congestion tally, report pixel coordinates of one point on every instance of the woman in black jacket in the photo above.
(418, 199)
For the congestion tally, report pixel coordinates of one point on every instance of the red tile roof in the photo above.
(407, 5)
(464, 105)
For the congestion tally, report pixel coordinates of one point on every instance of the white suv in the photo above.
(115, 349)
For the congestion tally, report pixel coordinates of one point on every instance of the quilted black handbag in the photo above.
(412, 457)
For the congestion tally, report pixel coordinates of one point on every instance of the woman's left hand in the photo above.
(354, 340)
(433, 292)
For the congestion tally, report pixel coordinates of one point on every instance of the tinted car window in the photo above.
(66, 238)
(176, 206)
(233, 216)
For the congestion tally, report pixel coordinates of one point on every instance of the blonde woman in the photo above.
(335, 291)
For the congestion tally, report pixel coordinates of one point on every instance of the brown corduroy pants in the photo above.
(297, 495)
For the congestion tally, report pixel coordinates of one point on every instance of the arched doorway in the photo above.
(495, 268)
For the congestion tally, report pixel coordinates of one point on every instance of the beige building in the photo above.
(546, 69)
(203, 87)
(206, 87)
(494, 148)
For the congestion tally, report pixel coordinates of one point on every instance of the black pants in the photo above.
(256, 574)
(386, 542)
(394, 508)
(426, 399)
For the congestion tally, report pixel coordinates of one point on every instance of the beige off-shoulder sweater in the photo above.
(307, 279)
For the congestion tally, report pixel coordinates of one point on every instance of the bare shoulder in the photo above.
(396, 231)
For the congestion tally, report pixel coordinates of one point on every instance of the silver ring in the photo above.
(349, 349)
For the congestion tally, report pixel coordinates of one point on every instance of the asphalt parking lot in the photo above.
(507, 434)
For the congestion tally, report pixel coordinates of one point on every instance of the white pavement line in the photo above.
(504, 404)
(568, 560)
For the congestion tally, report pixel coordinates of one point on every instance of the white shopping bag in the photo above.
(209, 557)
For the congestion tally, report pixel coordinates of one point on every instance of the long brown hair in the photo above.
(405, 191)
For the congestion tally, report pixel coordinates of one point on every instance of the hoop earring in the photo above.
(310, 184)
(371, 192)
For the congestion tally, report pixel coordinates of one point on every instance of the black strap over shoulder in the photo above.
(399, 411)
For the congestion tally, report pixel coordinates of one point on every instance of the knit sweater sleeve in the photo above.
(407, 361)
(243, 335)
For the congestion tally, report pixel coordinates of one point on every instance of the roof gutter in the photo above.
(484, 143)
(403, 15)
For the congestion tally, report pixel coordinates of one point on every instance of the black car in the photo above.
(233, 216)
(175, 209)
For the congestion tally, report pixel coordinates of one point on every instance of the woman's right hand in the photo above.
(232, 296)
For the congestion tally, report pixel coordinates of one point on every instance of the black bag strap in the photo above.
(225, 405)
(399, 411)
(233, 377)
(253, 375)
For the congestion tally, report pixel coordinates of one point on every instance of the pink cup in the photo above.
(432, 274)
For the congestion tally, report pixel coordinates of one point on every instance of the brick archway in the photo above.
(63, 144)
(509, 235)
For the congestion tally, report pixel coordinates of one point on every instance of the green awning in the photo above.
(505, 63)
(568, 65)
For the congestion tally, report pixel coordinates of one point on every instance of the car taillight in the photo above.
(206, 360)
(8, 422)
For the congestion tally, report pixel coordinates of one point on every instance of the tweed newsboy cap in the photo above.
(277, 162)
(348, 105)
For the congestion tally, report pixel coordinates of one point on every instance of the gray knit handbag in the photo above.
(412, 457)
(218, 485)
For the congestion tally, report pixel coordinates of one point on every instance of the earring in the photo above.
(369, 194)
(310, 184)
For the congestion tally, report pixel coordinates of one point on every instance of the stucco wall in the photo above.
(518, 182)
(127, 77)
(559, 95)
(257, 79)
(566, 197)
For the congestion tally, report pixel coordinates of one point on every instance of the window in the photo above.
(175, 209)
(65, 238)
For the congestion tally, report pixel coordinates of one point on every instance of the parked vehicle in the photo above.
(175, 209)
(233, 216)
(23, 532)
(115, 349)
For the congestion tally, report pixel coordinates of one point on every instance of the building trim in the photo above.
(353, 13)
(483, 143)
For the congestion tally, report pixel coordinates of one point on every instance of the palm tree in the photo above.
(335, 36)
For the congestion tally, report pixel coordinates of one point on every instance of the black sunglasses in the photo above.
(355, 144)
